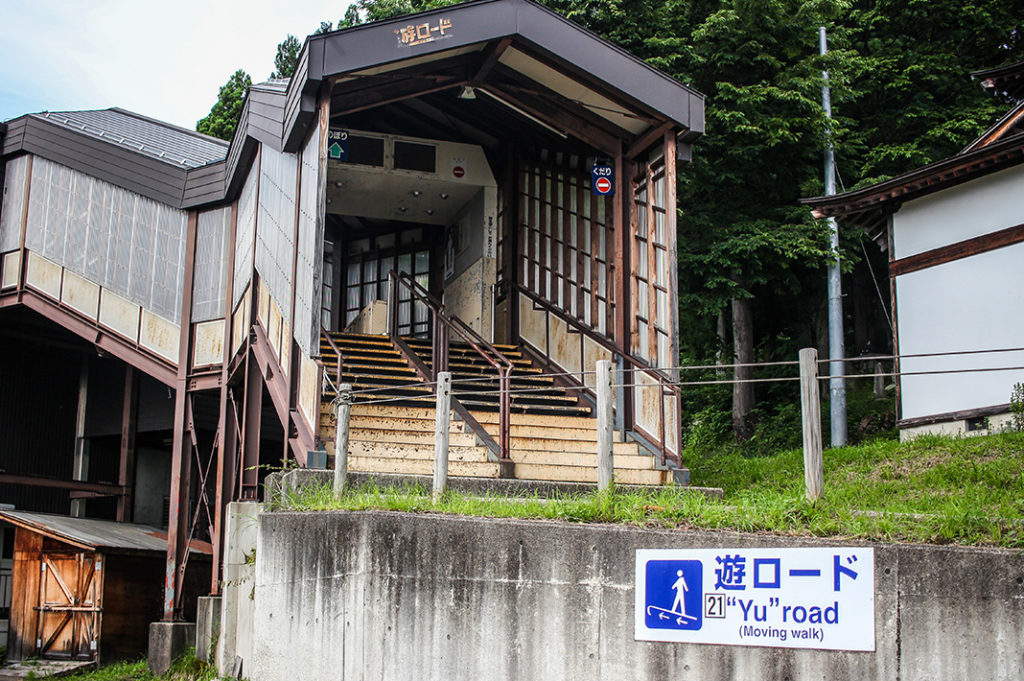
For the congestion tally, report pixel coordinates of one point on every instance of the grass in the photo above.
(185, 668)
(930, 490)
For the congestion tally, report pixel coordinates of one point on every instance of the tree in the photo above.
(223, 117)
(287, 57)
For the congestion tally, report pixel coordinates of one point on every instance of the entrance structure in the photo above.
(486, 185)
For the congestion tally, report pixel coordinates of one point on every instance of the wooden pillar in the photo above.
(126, 469)
(672, 243)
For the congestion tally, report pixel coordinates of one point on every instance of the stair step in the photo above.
(468, 469)
(409, 437)
(580, 460)
(384, 450)
(527, 471)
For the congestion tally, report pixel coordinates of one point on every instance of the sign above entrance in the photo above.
(602, 179)
(820, 598)
(427, 32)
(337, 144)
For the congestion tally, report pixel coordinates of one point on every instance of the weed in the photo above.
(931, 489)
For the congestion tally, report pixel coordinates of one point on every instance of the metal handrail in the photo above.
(666, 384)
(337, 351)
(439, 352)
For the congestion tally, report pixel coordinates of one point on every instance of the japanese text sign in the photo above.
(602, 179)
(426, 32)
(820, 598)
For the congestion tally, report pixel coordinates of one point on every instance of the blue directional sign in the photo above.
(808, 597)
(673, 594)
(337, 144)
(602, 179)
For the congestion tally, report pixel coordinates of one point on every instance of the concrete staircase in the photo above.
(553, 437)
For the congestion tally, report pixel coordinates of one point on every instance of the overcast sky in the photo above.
(164, 59)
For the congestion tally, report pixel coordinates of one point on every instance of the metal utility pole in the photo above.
(836, 349)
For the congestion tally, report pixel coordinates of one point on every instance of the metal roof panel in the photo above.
(169, 143)
(97, 534)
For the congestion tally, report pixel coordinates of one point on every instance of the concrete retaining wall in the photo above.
(377, 595)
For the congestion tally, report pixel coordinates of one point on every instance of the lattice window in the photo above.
(565, 238)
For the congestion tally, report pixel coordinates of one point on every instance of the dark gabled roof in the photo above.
(868, 206)
(149, 136)
(1008, 79)
(609, 99)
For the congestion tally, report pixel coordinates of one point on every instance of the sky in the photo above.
(164, 59)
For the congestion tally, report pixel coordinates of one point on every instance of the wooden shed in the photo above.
(86, 589)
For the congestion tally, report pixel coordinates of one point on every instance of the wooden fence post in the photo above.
(442, 424)
(605, 464)
(342, 412)
(810, 409)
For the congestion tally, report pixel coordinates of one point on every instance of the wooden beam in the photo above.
(644, 141)
(490, 60)
(958, 250)
(568, 122)
(388, 94)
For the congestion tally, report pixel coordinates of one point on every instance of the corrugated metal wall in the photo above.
(211, 271)
(13, 207)
(275, 229)
(245, 234)
(127, 243)
(307, 280)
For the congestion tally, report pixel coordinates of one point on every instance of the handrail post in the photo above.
(810, 408)
(342, 412)
(604, 425)
(505, 414)
(441, 428)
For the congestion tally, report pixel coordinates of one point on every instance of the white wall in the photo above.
(975, 303)
(971, 209)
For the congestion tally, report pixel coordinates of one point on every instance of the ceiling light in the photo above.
(402, 209)
(444, 197)
(338, 184)
(467, 92)
(416, 192)
(430, 211)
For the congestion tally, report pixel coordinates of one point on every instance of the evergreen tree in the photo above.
(287, 57)
(223, 117)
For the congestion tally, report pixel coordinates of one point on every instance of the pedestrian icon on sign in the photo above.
(673, 594)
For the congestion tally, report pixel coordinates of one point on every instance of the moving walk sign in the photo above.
(820, 598)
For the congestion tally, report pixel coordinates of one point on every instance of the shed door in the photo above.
(70, 605)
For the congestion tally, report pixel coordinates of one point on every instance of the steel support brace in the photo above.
(126, 469)
(253, 404)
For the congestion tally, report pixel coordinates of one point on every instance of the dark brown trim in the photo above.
(958, 250)
(124, 350)
(79, 485)
(950, 416)
(948, 172)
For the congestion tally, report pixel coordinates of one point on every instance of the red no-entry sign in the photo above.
(601, 176)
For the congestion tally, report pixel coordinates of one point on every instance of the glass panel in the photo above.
(369, 293)
(353, 274)
(405, 263)
(422, 263)
(642, 348)
(386, 241)
(370, 271)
